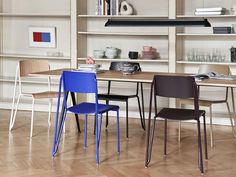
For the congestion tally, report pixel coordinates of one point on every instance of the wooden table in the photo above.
(146, 77)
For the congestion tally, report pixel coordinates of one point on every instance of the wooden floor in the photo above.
(23, 157)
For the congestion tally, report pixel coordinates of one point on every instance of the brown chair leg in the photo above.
(205, 137)
(165, 139)
(200, 147)
(127, 121)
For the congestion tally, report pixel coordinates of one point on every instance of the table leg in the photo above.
(142, 98)
(76, 115)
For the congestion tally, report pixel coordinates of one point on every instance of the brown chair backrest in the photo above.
(175, 86)
(31, 66)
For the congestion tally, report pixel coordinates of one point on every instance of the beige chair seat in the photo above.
(201, 102)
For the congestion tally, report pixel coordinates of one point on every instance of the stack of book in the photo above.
(210, 11)
(222, 30)
(89, 67)
(107, 7)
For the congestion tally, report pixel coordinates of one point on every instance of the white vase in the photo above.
(126, 8)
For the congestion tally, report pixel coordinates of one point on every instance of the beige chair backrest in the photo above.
(221, 69)
(31, 66)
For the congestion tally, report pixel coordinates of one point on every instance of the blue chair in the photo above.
(83, 83)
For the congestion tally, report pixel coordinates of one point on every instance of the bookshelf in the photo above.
(15, 21)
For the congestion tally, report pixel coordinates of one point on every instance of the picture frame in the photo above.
(42, 37)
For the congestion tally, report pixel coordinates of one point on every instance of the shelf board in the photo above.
(128, 60)
(123, 33)
(202, 34)
(205, 16)
(125, 16)
(34, 15)
(209, 63)
(9, 55)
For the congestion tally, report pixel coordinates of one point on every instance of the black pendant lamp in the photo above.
(158, 22)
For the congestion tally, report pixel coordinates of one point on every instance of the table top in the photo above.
(145, 77)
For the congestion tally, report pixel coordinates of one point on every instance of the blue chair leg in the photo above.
(100, 127)
(98, 133)
(57, 136)
(118, 131)
(85, 130)
(96, 122)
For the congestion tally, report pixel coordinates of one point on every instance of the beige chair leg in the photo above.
(64, 127)
(211, 127)
(179, 133)
(49, 112)
(13, 113)
(32, 119)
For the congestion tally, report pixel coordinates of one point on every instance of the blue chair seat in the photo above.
(90, 108)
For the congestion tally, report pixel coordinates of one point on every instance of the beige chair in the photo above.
(24, 68)
(220, 69)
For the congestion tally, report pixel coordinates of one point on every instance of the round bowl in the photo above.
(98, 53)
(147, 48)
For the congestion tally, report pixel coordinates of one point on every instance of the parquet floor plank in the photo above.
(21, 156)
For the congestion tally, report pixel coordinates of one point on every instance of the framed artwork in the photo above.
(42, 37)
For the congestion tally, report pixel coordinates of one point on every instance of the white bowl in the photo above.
(98, 53)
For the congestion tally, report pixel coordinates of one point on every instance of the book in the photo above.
(113, 7)
(222, 30)
(89, 66)
(117, 7)
(97, 8)
(209, 13)
(210, 9)
(108, 6)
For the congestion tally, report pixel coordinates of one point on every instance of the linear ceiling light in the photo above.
(158, 22)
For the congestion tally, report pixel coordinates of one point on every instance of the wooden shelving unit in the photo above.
(15, 21)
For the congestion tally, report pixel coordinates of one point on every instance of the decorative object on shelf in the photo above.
(111, 52)
(210, 11)
(222, 29)
(126, 8)
(233, 8)
(149, 52)
(234, 28)
(201, 55)
(90, 60)
(158, 22)
(147, 48)
(98, 53)
(233, 54)
(42, 37)
(133, 55)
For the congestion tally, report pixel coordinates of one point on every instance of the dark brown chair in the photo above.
(175, 87)
(124, 67)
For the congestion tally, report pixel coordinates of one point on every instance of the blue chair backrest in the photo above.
(79, 82)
